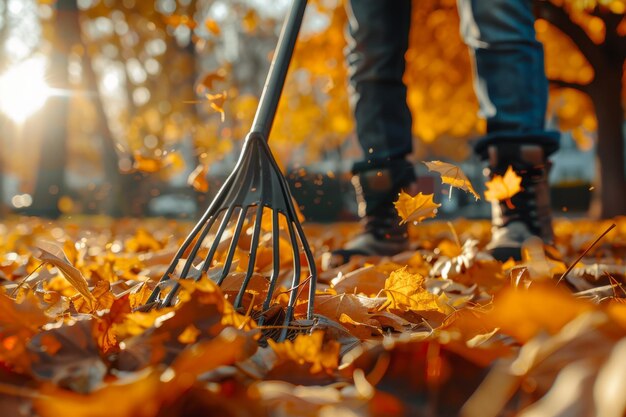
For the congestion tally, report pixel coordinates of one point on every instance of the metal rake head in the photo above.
(255, 183)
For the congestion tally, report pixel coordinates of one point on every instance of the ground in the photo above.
(440, 330)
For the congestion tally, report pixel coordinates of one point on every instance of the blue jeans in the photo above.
(509, 77)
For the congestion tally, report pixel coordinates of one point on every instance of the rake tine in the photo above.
(192, 256)
(218, 238)
(208, 214)
(275, 265)
(296, 279)
(252, 257)
(233, 245)
(312, 270)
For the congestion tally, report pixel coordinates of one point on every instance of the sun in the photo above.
(23, 89)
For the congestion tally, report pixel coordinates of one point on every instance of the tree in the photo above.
(599, 33)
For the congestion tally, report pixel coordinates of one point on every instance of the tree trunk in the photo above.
(611, 184)
(50, 186)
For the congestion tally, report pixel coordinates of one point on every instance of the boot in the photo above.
(528, 213)
(382, 233)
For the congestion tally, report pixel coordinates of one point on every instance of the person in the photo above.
(512, 90)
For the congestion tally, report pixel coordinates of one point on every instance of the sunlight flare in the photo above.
(23, 89)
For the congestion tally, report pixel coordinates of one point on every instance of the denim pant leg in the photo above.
(509, 76)
(378, 40)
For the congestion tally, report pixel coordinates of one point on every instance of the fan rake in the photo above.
(255, 184)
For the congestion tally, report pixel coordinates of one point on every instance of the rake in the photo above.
(256, 183)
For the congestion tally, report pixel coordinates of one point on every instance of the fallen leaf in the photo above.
(71, 274)
(310, 350)
(406, 291)
(542, 307)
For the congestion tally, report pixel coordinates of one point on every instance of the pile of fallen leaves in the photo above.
(440, 330)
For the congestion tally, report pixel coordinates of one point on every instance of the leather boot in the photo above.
(382, 233)
(528, 213)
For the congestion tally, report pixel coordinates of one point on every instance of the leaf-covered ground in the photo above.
(440, 330)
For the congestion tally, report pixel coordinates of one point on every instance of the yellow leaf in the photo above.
(71, 274)
(406, 291)
(501, 188)
(453, 175)
(416, 208)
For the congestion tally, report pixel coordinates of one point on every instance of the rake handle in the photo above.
(275, 80)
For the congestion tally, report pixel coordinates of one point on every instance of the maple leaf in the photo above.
(406, 291)
(416, 208)
(503, 187)
(453, 175)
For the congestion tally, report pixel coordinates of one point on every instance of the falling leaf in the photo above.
(502, 188)
(212, 26)
(209, 80)
(198, 178)
(145, 164)
(416, 209)
(216, 102)
(453, 175)
(250, 20)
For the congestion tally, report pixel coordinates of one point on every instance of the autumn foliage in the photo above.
(442, 327)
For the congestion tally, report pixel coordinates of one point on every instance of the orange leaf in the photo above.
(230, 346)
(212, 77)
(416, 209)
(250, 21)
(524, 313)
(197, 179)
(144, 164)
(309, 349)
(453, 175)
(501, 188)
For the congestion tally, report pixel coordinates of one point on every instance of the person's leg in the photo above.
(512, 90)
(378, 39)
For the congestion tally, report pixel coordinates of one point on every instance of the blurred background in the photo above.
(139, 107)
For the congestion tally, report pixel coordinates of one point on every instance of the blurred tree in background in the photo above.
(146, 94)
